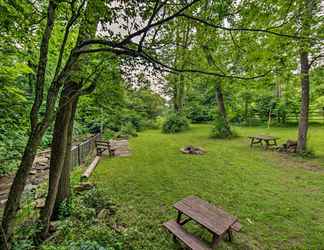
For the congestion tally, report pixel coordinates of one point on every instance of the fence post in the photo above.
(79, 155)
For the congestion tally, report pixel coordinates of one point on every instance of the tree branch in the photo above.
(199, 20)
(314, 60)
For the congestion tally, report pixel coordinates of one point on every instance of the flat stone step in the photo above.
(187, 238)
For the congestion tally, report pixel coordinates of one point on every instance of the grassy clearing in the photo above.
(278, 199)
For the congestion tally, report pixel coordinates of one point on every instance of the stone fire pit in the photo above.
(193, 150)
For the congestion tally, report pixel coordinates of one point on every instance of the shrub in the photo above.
(200, 113)
(133, 118)
(175, 123)
(219, 129)
(126, 131)
(108, 134)
(98, 200)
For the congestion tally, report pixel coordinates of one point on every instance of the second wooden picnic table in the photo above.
(269, 141)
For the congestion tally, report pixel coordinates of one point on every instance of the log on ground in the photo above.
(87, 173)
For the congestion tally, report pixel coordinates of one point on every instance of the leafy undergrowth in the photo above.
(278, 198)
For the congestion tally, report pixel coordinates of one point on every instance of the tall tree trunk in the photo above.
(246, 111)
(306, 17)
(221, 108)
(58, 152)
(179, 94)
(63, 193)
(37, 131)
(304, 108)
(71, 90)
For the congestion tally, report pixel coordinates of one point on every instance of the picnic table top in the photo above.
(263, 137)
(211, 217)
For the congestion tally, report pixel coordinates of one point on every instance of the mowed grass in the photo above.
(278, 199)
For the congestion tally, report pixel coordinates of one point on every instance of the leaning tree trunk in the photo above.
(63, 192)
(59, 145)
(304, 109)
(18, 185)
(221, 108)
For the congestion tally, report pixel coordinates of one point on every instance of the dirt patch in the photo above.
(293, 161)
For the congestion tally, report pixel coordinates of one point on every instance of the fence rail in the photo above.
(79, 152)
(314, 116)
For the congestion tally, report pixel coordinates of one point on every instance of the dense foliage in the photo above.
(175, 123)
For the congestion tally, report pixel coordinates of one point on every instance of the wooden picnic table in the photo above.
(259, 139)
(214, 219)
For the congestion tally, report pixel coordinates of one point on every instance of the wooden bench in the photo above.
(214, 219)
(102, 146)
(259, 139)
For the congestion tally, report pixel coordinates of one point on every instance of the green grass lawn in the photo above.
(278, 198)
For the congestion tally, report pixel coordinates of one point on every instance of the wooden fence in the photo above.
(314, 117)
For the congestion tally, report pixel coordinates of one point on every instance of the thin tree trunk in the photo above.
(37, 132)
(246, 111)
(18, 185)
(179, 94)
(304, 109)
(221, 107)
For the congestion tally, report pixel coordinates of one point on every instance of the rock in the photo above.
(42, 166)
(33, 172)
(291, 143)
(40, 203)
(3, 203)
(29, 187)
(103, 215)
(289, 147)
(53, 226)
(83, 187)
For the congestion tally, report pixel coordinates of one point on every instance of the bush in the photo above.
(126, 131)
(108, 134)
(133, 118)
(200, 113)
(219, 129)
(175, 123)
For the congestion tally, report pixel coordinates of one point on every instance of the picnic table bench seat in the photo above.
(187, 238)
(214, 219)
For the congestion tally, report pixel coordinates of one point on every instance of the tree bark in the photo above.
(63, 193)
(58, 153)
(179, 94)
(63, 126)
(246, 111)
(221, 107)
(306, 16)
(18, 185)
(304, 108)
